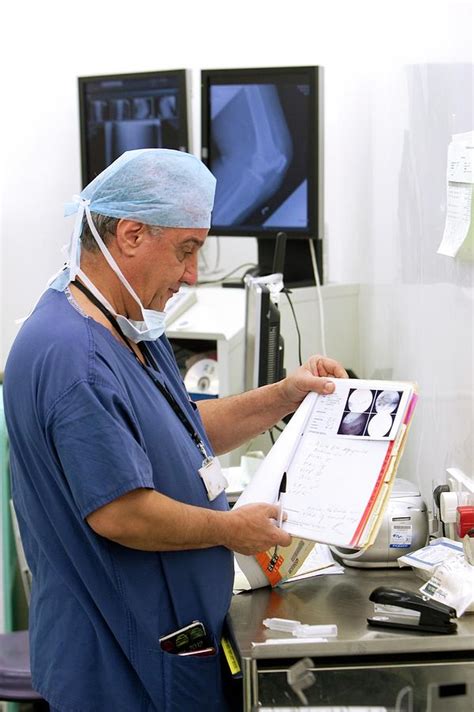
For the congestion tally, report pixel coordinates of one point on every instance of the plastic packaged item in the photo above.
(301, 630)
(309, 631)
(452, 583)
(424, 561)
(468, 547)
(283, 624)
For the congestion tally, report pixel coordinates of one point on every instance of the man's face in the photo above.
(166, 262)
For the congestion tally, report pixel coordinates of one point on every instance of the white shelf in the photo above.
(217, 314)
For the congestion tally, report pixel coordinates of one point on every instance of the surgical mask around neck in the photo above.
(152, 326)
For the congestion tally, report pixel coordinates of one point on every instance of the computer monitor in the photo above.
(262, 139)
(121, 112)
(264, 347)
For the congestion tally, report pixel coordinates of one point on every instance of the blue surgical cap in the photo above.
(156, 186)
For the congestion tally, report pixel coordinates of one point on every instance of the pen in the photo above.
(281, 490)
(282, 487)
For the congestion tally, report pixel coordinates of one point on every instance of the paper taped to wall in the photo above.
(459, 226)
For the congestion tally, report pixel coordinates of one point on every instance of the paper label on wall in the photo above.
(459, 226)
(459, 218)
(460, 159)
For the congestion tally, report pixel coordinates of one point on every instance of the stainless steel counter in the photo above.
(344, 600)
(341, 599)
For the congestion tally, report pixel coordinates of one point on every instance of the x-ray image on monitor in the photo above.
(260, 138)
(124, 112)
(253, 149)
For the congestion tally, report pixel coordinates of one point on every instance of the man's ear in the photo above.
(129, 236)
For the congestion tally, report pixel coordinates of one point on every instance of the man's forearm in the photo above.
(147, 520)
(234, 420)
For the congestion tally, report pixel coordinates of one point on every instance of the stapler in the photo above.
(410, 611)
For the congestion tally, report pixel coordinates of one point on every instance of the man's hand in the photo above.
(234, 420)
(252, 528)
(311, 376)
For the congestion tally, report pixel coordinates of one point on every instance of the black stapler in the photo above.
(415, 612)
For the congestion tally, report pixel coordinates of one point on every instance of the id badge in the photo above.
(212, 477)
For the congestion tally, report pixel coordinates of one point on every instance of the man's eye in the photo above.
(184, 254)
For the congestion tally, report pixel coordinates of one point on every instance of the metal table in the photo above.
(391, 669)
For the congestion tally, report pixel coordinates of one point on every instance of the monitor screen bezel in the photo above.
(262, 75)
(183, 82)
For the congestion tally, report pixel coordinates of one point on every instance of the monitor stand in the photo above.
(298, 266)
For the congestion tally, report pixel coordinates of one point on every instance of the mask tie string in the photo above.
(72, 251)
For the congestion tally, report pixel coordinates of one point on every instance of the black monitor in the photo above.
(262, 139)
(264, 347)
(121, 112)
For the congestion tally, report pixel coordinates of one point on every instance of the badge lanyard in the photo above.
(210, 470)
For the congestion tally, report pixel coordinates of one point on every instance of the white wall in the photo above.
(417, 306)
(391, 89)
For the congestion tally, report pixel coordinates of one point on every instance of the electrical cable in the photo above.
(229, 274)
(204, 265)
(320, 297)
(437, 492)
(203, 259)
(218, 254)
(287, 292)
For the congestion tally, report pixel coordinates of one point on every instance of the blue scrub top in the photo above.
(87, 425)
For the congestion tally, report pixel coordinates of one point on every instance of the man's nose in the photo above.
(191, 272)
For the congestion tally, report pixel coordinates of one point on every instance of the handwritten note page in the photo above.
(333, 452)
(336, 468)
(328, 486)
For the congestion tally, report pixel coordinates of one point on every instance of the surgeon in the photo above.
(115, 477)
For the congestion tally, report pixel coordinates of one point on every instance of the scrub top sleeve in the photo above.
(95, 436)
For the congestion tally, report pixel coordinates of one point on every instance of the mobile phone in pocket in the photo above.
(191, 638)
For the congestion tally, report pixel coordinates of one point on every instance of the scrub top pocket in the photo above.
(193, 683)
